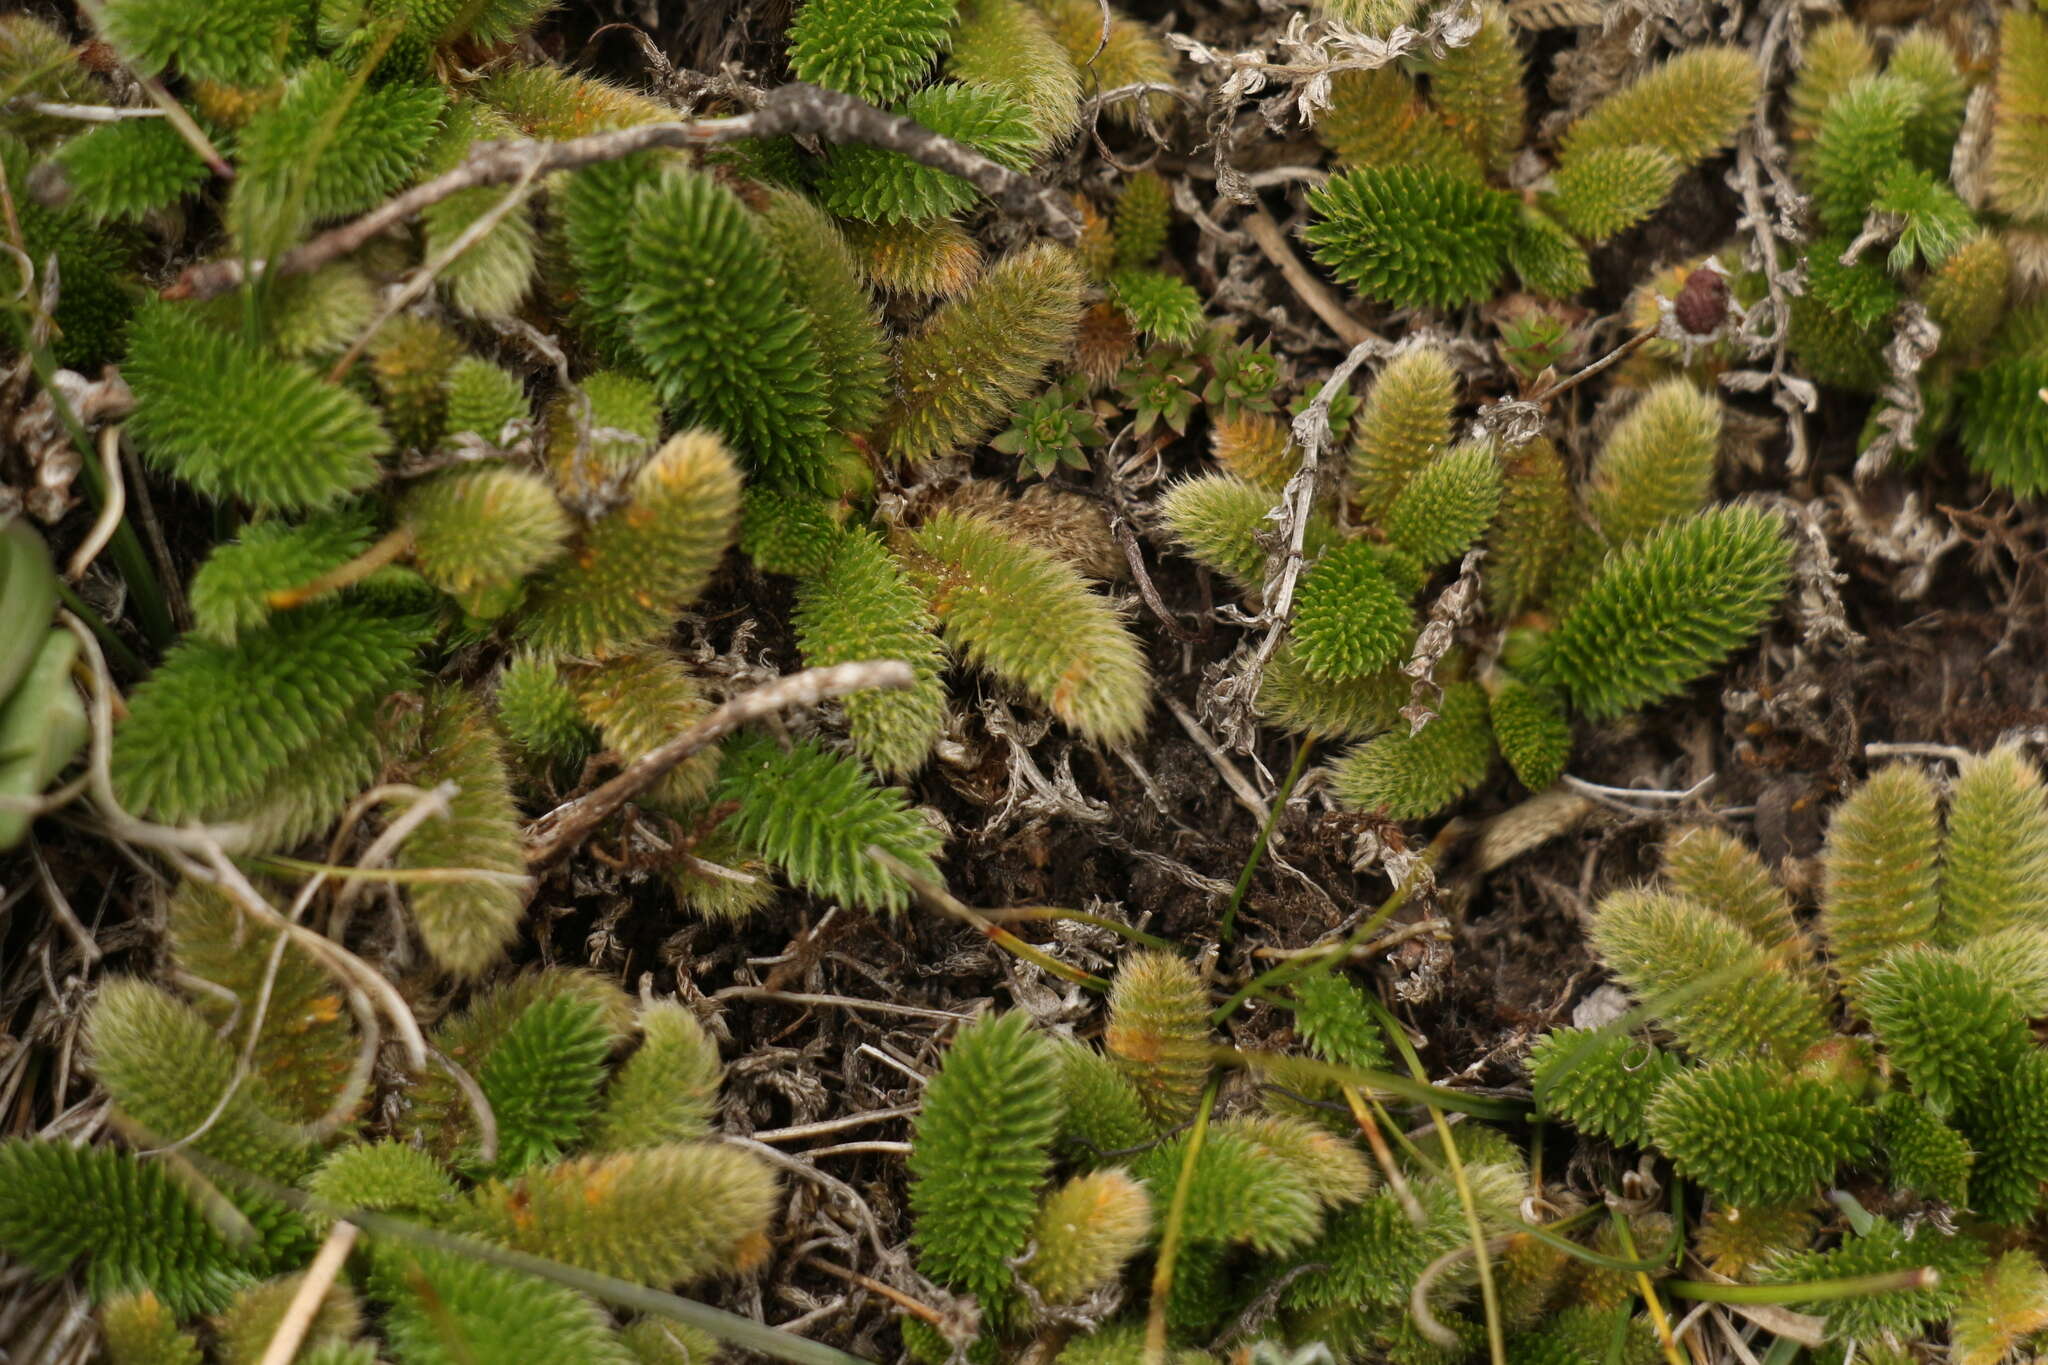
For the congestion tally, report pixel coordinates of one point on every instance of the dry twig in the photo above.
(569, 824)
(793, 108)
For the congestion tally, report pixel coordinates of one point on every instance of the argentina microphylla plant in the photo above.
(1930, 946)
(1610, 599)
(553, 1146)
(1912, 241)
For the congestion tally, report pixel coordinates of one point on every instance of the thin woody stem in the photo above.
(793, 108)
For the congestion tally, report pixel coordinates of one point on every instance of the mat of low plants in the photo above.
(1023, 681)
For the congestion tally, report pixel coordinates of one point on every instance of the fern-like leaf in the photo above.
(2019, 125)
(140, 1329)
(1446, 505)
(1031, 620)
(1349, 618)
(541, 1078)
(1951, 1031)
(639, 701)
(230, 591)
(1605, 190)
(239, 45)
(1668, 608)
(236, 423)
(446, 1308)
(965, 370)
(1085, 1231)
(980, 1151)
(307, 1048)
(632, 571)
(481, 529)
(814, 814)
(1994, 872)
(1007, 46)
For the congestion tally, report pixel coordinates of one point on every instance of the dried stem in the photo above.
(320, 1276)
(569, 824)
(793, 108)
(1273, 242)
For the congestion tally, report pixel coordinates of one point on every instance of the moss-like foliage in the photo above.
(1411, 775)
(876, 185)
(1350, 620)
(1599, 1082)
(823, 278)
(861, 605)
(592, 1211)
(1411, 236)
(1664, 610)
(814, 814)
(1689, 106)
(982, 352)
(1447, 505)
(236, 423)
(1158, 1033)
(123, 171)
(1158, 305)
(331, 146)
(125, 1220)
(1753, 1134)
(876, 50)
(466, 925)
(1026, 616)
(981, 1150)
(712, 312)
(1006, 45)
(629, 573)
(216, 727)
(666, 1092)
(1712, 984)
(237, 46)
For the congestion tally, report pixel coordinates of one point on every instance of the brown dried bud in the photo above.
(1702, 305)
